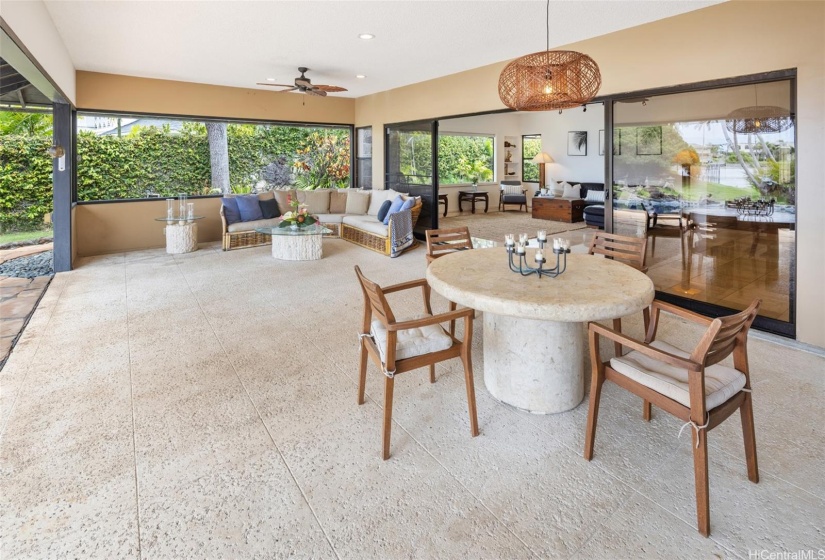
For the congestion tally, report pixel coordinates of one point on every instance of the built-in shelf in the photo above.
(512, 168)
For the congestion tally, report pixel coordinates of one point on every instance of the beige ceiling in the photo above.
(238, 43)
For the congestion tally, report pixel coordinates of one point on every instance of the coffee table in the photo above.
(181, 234)
(534, 335)
(296, 244)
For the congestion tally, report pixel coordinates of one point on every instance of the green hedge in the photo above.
(149, 161)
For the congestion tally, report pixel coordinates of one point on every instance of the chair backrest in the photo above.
(375, 303)
(443, 241)
(725, 335)
(629, 250)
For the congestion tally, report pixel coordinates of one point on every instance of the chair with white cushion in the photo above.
(693, 386)
(512, 192)
(397, 346)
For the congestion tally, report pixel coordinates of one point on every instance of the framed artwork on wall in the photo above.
(577, 143)
(649, 141)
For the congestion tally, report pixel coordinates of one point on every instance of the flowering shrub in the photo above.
(322, 162)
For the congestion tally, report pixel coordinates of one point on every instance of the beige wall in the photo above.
(702, 45)
(31, 22)
(113, 227)
(112, 92)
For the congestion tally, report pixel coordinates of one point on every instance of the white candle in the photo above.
(542, 236)
(555, 243)
(523, 238)
(565, 244)
(539, 256)
(520, 249)
(508, 240)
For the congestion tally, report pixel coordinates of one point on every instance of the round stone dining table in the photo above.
(534, 337)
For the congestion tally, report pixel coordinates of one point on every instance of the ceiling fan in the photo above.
(304, 85)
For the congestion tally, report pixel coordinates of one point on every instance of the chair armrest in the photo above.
(405, 286)
(643, 348)
(432, 320)
(684, 313)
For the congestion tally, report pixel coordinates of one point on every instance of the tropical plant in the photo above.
(323, 161)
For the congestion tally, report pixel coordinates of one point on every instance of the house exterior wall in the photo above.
(706, 44)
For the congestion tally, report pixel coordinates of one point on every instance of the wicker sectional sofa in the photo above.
(351, 214)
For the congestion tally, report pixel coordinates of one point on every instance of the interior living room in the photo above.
(511, 279)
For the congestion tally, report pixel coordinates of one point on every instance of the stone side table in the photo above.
(302, 244)
(181, 235)
(534, 340)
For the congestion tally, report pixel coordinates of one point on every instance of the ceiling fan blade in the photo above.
(330, 89)
(318, 92)
(276, 85)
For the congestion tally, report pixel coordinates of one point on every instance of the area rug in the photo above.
(494, 226)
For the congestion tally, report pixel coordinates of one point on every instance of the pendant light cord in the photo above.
(547, 21)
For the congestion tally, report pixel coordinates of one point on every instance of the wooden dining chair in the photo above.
(692, 386)
(442, 242)
(397, 346)
(629, 250)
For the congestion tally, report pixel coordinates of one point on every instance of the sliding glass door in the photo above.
(410, 156)
(709, 177)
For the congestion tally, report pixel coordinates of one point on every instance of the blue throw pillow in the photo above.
(230, 210)
(249, 207)
(394, 207)
(409, 203)
(384, 210)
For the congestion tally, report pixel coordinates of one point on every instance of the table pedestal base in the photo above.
(181, 238)
(536, 366)
(297, 247)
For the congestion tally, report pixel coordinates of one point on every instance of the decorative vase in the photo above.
(294, 227)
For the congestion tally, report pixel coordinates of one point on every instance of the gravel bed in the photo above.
(30, 266)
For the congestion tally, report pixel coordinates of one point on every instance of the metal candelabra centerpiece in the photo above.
(560, 248)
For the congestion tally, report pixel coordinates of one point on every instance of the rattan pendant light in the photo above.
(549, 80)
(759, 119)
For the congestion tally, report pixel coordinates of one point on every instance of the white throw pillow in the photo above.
(358, 202)
(571, 192)
(594, 196)
(377, 198)
(317, 201)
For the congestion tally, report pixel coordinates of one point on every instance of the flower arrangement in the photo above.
(298, 217)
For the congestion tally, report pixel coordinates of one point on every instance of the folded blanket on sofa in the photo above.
(401, 232)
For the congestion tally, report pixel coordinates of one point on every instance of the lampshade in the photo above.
(759, 119)
(549, 80)
(542, 157)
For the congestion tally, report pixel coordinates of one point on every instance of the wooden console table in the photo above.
(472, 196)
(558, 209)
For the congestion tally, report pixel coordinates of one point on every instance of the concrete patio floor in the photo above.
(204, 406)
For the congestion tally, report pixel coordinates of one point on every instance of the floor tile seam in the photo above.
(258, 413)
(132, 410)
(458, 481)
(763, 471)
(33, 356)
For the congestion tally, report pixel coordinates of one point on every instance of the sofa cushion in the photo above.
(250, 207)
(250, 226)
(367, 223)
(571, 191)
(594, 196)
(230, 210)
(317, 201)
(378, 198)
(358, 202)
(266, 196)
(395, 206)
(721, 382)
(385, 209)
(330, 218)
(338, 202)
(283, 196)
(269, 208)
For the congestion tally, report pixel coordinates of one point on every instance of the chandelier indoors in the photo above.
(759, 119)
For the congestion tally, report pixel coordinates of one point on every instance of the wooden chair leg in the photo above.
(593, 411)
(617, 326)
(700, 474)
(362, 374)
(646, 318)
(389, 383)
(748, 432)
(471, 391)
(432, 373)
(646, 411)
(453, 307)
